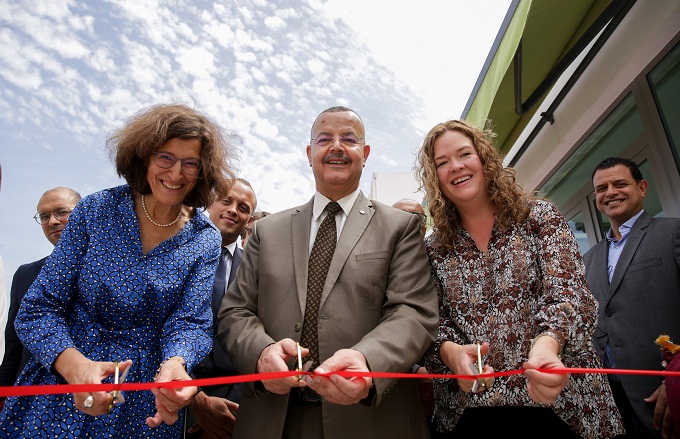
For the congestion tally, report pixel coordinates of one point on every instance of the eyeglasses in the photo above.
(59, 214)
(346, 140)
(166, 160)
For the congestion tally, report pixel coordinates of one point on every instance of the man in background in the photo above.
(54, 209)
(348, 279)
(212, 412)
(245, 235)
(411, 206)
(635, 276)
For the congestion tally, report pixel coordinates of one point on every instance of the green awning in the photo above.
(544, 31)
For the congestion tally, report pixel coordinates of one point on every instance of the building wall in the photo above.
(616, 78)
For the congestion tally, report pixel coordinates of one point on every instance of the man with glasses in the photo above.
(245, 234)
(413, 207)
(54, 208)
(348, 279)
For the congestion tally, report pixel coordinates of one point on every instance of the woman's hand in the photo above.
(544, 387)
(78, 369)
(169, 401)
(462, 360)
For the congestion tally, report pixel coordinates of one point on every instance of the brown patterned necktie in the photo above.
(319, 261)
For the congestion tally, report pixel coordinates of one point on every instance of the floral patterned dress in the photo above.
(98, 292)
(531, 279)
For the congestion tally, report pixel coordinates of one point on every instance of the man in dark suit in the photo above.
(635, 276)
(212, 410)
(54, 208)
(370, 307)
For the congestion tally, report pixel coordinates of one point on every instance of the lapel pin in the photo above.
(362, 212)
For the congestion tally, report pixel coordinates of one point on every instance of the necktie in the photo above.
(220, 284)
(319, 261)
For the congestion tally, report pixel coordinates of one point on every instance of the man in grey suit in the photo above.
(54, 209)
(635, 276)
(212, 411)
(377, 310)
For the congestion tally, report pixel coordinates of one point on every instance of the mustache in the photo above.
(336, 156)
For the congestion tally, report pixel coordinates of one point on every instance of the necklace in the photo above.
(146, 212)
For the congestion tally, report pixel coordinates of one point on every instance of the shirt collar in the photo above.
(624, 228)
(346, 203)
(231, 248)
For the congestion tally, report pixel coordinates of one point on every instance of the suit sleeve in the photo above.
(410, 315)
(239, 329)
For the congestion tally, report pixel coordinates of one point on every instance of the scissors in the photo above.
(479, 385)
(299, 366)
(117, 397)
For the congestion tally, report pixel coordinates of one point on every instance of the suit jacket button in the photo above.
(608, 313)
(298, 327)
(601, 346)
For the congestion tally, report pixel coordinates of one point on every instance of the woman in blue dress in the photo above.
(130, 281)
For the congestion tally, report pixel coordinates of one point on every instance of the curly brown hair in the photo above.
(132, 145)
(510, 200)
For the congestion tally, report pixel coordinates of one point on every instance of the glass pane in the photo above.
(578, 227)
(664, 81)
(613, 135)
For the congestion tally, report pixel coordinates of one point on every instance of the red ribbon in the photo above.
(203, 382)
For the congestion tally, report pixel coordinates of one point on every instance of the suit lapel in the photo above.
(599, 264)
(301, 222)
(632, 243)
(354, 227)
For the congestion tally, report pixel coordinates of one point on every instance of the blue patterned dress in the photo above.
(100, 294)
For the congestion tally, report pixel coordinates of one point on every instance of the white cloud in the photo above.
(197, 61)
(74, 70)
(274, 23)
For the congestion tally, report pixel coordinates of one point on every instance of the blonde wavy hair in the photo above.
(510, 200)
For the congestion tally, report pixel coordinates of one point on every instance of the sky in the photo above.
(73, 71)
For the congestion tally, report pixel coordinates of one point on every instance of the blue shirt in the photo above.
(615, 250)
(616, 247)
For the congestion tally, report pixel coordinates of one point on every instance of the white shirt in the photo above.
(319, 213)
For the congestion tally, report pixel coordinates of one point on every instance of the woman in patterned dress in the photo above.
(509, 277)
(129, 281)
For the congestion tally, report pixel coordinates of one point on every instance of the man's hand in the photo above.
(663, 419)
(337, 389)
(215, 417)
(273, 359)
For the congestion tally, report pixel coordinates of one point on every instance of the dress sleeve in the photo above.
(41, 322)
(188, 330)
(565, 303)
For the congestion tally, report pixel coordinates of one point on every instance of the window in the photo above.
(664, 81)
(612, 137)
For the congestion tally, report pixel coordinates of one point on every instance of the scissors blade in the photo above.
(477, 369)
(117, 397)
